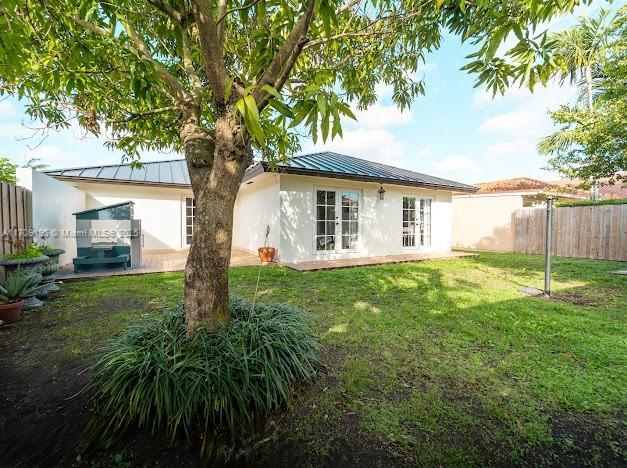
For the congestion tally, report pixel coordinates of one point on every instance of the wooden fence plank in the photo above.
(582, 231)
(19, 207)
(5, 222)
(15, 211)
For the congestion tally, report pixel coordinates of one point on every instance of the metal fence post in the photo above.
(548, 246)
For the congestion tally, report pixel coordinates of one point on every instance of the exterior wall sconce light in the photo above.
(381, 193)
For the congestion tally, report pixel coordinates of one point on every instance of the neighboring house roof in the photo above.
(326, 164)
(613, 191)
(607, 190)
(526, 184)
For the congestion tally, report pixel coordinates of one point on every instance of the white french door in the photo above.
(337, 220)
(416, 222)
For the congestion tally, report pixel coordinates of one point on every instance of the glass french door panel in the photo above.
(425, 222)
(337, 220)
(350, 220)
(409, 222)
(325, 220)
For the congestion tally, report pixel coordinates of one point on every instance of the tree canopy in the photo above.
(8, 168)
(7, 171)
(125, 68)
(591, 142)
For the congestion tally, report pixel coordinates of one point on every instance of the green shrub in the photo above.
(157, 378)
(611, 201)
(16, 286)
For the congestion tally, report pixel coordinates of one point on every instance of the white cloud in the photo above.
(542, 98)
(482, 97)
(424, 152)
(6, 109)
(378, 116)
(427, 67)
(13, 131)
(373, 144)
(520, 123)
(516, 131)
(68, 148)
(383, 91)
(456, 166)
(510, 149)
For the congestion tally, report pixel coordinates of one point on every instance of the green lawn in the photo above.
(440, 362)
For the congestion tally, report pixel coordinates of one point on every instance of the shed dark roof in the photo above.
(102, 208)
(325, 164)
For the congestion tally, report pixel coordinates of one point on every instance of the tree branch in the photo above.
(222, 17)
(211, 51)
(366, 31)
(221, 25)
(141, 49)
(284, 60)
(174, 84)
(137, 115)
(169, 10)
(188, 66)
(347, 6)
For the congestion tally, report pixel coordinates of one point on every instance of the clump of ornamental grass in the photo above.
(157, 378)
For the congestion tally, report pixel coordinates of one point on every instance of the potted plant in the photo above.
(266, 254)
(14, 288)
(26, 256)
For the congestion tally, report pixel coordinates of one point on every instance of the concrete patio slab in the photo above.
(155, 261)
(368, 261)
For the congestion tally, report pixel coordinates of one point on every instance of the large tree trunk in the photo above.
(216, 164)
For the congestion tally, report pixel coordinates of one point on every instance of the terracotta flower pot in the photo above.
(11, 311)
(266, 254)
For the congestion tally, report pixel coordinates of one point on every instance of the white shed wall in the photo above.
(159, 209)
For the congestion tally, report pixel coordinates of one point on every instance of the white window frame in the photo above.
(432, 198)
(417, 246)
(416, 204)
(184, 198)
(338, 226)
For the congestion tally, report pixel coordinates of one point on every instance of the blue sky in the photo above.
(455, 131)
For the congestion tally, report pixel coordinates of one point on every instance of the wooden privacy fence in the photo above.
(579, 231)
(15, 212)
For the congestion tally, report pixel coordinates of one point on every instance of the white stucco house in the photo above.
(318, 206)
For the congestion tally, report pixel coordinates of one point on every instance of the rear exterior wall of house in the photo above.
(257, 207)
(305, 203)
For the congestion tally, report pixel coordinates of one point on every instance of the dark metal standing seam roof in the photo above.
(328, 164)
(325, 164)
(172, 172)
